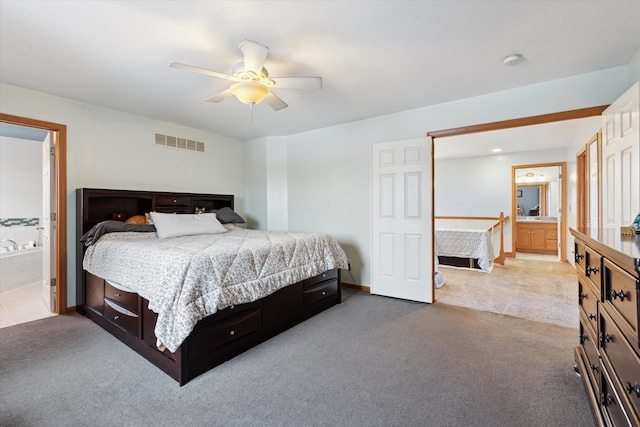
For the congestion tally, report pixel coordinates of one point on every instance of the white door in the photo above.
(401, 235)
(621, 160)
(48, 222)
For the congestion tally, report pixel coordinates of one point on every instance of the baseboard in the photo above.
(357, 287)
(71, 309)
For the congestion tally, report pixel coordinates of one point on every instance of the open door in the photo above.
(402, 256)
(49, 222)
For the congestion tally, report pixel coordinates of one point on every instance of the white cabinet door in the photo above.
(621, 160)
(402, 249)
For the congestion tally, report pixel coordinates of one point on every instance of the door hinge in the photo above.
(52, 216)
(53, 282)
(52, 151)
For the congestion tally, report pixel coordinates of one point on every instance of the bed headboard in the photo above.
(96, 205)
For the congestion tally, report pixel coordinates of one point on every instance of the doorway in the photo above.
(57, 133)
(438, 137)
(538, 205)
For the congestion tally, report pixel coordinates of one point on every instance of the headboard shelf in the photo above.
(94, 205)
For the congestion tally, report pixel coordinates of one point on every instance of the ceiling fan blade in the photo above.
(297, 82)
(202, 71)
(254, 55)
(221, 96)
(274, 102)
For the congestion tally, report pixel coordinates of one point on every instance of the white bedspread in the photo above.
(466, 243)
(188, 278)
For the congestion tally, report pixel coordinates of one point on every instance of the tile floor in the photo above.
(23, 305)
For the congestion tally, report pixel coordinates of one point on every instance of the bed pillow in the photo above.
(174, 225)
(227, 215)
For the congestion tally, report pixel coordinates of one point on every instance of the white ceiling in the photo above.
(375, 57)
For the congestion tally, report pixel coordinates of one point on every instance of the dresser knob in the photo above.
(594, 368)
(592, 316)
(593, 270)
(116, 317)
(604, 337)
(579, 257)
(175, 201)
(117, 295)
(232, 307)
(232, 333)
(582, 296)
(606, 400)
(615, 294)
(583, 338)
(632, 388)
(324, 293)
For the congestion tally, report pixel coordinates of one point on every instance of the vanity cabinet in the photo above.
(537, 237)
(608, 354)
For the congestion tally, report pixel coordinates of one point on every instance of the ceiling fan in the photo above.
(252, 83)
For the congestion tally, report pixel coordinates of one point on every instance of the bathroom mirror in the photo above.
(532, 199)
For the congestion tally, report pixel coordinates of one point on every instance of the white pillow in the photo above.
(174, 225)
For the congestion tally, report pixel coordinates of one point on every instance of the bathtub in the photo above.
(20, 268)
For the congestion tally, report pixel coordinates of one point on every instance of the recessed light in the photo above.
(512, 59)
(497, 150)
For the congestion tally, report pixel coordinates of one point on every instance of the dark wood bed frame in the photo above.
(214, 339)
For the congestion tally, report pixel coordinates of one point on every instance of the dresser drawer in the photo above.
(621, 298)
(320, 292)
(589, 344)
(224, 333)
(593, 267)
(623, 360)
(580, 256)
(178, 201)
(330, 274)
(588, 304)
(127, 300)
(121, 317)
(610, 403)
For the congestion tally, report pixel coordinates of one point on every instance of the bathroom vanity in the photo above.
(537, 235)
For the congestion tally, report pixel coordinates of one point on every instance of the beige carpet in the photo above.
(535, 290)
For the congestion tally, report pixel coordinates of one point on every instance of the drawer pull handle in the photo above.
(117, 295)
(579, 256)
(620, 294)
(594, 368)
(632, 388)
(232, 333)
(175, 201)
(116, 317)
(606, 400)
(583, 338)
(604, 337)
(582, 296)
(593, 270)
(592, 316)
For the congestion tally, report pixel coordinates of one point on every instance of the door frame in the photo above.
(60, 132)
(503, 124)
(562, 250)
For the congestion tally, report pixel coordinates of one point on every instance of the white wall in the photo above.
(20, 178)
(328, 170)
(112, 149)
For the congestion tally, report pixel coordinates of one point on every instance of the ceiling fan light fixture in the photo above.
(249, 92)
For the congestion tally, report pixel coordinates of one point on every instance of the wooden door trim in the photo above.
(61, 199)
(525, 121)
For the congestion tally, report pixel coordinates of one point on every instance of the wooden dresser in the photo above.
(608, 357)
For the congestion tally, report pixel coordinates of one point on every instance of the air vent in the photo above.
(177, 142)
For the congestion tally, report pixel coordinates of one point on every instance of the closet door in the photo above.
(621, 160)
